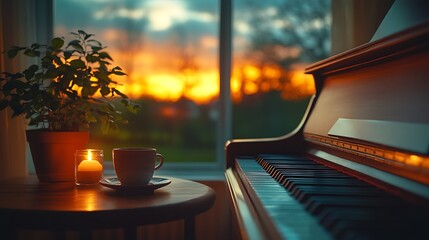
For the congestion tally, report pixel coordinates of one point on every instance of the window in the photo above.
(273, 42)
(170, 51)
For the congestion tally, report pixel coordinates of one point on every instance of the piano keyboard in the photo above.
(306, 199)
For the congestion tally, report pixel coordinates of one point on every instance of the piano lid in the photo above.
(384, 81)
(371, 104)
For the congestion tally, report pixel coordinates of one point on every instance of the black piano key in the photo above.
(327, 180)
(284, 157)
(316, 172)
(292, 185)
(290, 162)
(348, 229)
(284, 176)
(303, 192)
(340, 222)
(297, 188)
(294, 161)
(273, 163)
(346, 206)
(301, 166)
(315, 204)
(304, 168)
(388, 223)
(280, 205)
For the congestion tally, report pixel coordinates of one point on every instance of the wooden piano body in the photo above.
(369, 119)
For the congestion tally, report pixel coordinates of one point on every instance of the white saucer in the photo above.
(155, 183)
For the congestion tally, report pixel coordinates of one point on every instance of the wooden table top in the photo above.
(28, 203)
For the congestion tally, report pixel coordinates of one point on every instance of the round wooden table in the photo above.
(26, 203)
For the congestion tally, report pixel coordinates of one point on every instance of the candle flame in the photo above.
(89, 155)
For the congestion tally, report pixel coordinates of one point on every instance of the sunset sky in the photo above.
(169, 48)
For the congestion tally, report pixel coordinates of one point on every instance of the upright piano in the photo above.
(357, 166)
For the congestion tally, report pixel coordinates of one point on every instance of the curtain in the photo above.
(22, 22)
(354, 22)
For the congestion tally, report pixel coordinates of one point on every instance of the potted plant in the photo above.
(70, 87)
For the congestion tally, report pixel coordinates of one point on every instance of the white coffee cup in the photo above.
(135, 166)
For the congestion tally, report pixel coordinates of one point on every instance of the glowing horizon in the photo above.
(171, 78)
(150, 74)
(203, 87)
(168, 63)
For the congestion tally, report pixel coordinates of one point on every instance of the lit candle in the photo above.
(89, 171)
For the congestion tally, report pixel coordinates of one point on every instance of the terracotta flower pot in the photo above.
(53, 153)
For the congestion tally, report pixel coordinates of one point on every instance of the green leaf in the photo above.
(97, 43)
(88, 36)
(13, 84)
(77, 63)
(28, 95)
(86, 91)
(105, 90)
(35, 46)
(13, 75)
(93, 90)
(57, 60)
(119, 93)
(71, 94)
(76, 45)
(74, 42)
(30, 71)
(31, 53)
(57, 43)
(68, 54)
(12, 52)
(102, 77)
(51, 73)
(92, 58)
(119, 73)
(47, 61)
(74, 34)
(104, 55)
(16, 107)
(96, 48)
(82, 32)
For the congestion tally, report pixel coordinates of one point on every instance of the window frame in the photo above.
(204, 171)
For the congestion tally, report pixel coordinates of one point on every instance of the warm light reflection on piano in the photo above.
(416, 160)
(378, 154)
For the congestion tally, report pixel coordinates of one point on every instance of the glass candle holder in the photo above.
(88, 166)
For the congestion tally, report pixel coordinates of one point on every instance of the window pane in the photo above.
(274, 41)
(169, 51)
